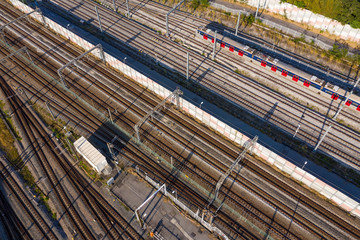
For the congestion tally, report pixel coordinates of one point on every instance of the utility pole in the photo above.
(97, 13)
(237, 24)
(250, 145)
(213, 57)
(322, 138)
(167, 17)
(48, 107)
(114, 5)
(336, 115)
(301, 118)
(187, 67)
(127, 8)
(110, 115)
(257, 9)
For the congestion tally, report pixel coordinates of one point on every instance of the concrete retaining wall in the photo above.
(318, 21)
(272, 158)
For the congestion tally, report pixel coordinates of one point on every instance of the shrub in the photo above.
(250, 19)
(28, 177)
(196, 3)
(337, 52)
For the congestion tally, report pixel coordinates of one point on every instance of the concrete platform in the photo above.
(159, 214)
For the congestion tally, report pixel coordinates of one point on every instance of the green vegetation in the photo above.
(28, 177)
(248, 19)
(124, 206)
(45, 201)
(338, 52)
(299, 39)
(57, 127)
(199, 3)
(344, 11)
(89, 171)
(9, 121)
(7, 142)
(259, 21)
(7, 145)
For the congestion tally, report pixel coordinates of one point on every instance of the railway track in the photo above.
(29, 73)
(37, 141)
(96, 203)
(187, 28)
(41, 224)
(160, 10)
(348, 149)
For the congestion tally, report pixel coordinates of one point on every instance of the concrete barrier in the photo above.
(318, 21)
(272, 158)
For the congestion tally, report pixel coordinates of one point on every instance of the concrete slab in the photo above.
(353, 204)
(326, 193)
(330, 189)
(159, 214)
(271, 160)
(299, 171)
(266, 152)
(287, 169)
(346, 207)
(341, 196)
(356, 212)
(337, 200)
(296, 176)
(317, 187)
(309, 177)
(306, 182)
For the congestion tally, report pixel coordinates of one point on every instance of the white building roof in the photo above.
(90, 153)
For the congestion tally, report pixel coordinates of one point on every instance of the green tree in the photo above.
(250, 19)
(197, 3)
(344, 11)
(337, 52)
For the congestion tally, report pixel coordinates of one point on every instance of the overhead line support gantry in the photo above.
(21, 17)
(167, 16)
(77, 58)
(223, 177)
(176, 93)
